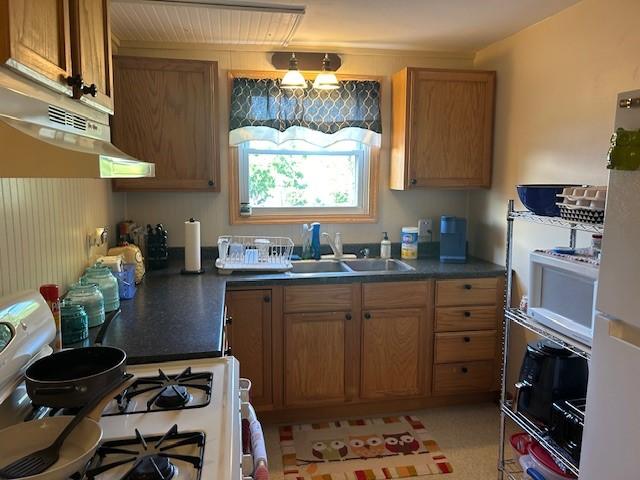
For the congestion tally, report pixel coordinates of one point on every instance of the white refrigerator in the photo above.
(611, 438)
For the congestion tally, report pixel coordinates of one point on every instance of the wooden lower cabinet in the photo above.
(393, 360)
(316, 351)
(315, 358)
(250, 337)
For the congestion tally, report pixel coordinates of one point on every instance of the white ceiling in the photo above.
(429, 25)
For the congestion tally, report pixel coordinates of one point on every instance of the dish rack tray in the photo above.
(254, 254)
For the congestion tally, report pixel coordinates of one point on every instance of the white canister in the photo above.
(409, 249)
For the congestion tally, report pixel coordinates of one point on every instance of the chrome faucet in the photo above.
(365, 252)
(335, 244)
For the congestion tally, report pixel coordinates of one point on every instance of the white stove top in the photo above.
(218, 419)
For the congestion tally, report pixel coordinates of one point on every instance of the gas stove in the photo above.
(178, 421)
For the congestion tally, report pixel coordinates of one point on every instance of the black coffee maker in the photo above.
(549, 373)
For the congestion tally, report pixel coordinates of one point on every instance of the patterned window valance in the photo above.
(261, 110)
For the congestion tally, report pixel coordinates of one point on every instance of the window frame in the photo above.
(362, 156)
(369, 213)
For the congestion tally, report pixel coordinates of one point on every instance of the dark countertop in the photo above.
(174, 316)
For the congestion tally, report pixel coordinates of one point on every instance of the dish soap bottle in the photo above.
(385, 246)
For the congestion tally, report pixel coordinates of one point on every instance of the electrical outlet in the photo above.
(425, 227)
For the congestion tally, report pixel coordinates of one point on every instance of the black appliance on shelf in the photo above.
(567, 423)
(549, 374)
(157, 247)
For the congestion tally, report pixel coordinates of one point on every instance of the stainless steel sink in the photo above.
(319, 266)
(378, 265)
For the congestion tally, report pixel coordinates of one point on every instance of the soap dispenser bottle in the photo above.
(315, 241)
(385, 246)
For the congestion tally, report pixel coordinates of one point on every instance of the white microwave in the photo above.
(562, 295)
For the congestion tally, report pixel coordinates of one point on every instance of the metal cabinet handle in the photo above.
(367, 315)
(464, 370)
(89, 90)
(267, 298)
(229, 320)
(210, 183)
(413, 181)
(467, 286)
(467, 339)
(227, 352)
(467, 314)
(348, 316)
(75, 80)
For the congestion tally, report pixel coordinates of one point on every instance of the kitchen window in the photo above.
(303, 155)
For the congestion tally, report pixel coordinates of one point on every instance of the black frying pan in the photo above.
(67, 379)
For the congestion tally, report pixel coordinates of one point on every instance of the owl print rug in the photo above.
(362, 449)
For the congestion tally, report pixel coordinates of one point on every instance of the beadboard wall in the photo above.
(43, 228)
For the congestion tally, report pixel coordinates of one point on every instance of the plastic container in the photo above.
(544, 464)
(409, 249)
(385, 246)
(75, 323)
(126, 281)
(90, 297)
(107, 283)
(520, 443)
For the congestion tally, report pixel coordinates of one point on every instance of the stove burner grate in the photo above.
(150, 458)
(170, 391)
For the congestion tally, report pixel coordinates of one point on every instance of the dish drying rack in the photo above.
(254, 254)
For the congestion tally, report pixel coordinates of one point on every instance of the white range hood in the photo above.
(42, 139)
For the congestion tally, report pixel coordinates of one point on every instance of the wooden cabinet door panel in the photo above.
(314, 358)
(91, 50)
(165, 113)
(452, 378)
(393, 342)
(37, 40)
(318, 298)
(468, 291)
(451, 120)
(455, 319)
(395, 294)
(250, 338)
(465, 346)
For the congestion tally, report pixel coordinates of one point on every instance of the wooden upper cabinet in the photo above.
(442, 128)
(91, 51)
(36, 40)
(165, 113)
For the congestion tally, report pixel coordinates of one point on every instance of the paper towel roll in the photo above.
(192, 246)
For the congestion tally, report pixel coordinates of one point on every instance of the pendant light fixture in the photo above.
(293, 78)
(326, 79)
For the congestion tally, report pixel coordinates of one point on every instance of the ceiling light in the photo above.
(293, 78)
(326, 79)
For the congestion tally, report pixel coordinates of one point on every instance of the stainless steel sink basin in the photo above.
(378, 265)
(319, 266)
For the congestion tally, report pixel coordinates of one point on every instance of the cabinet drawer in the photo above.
(318, 298)
(396, 294)
(469, 291)
(455, 319)
(465, 346)
(453, 378)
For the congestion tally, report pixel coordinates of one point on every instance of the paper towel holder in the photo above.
(192, 272)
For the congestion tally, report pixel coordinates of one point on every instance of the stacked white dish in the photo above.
(583, 204)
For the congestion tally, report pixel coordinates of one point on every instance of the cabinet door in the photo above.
(36, 40)
(250, 340)
(91, 50)
(314, 358)
(393, 347)
(451, 128)
(165, 113)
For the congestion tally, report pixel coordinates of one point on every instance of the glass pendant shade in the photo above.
(326, 79)
(293, 78)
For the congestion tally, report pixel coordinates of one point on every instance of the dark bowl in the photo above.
(541, 199)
